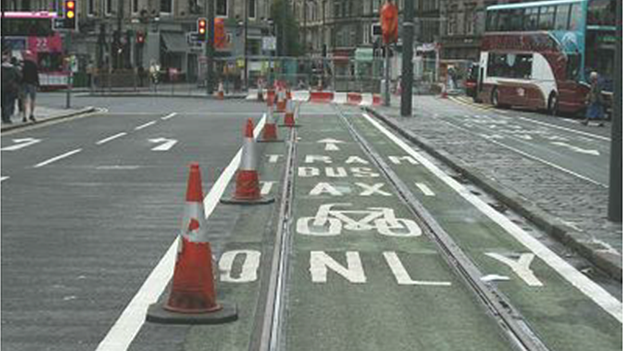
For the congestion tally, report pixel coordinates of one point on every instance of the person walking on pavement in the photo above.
(20, 91)
(30, 82)
(595, 108)
(10, 87)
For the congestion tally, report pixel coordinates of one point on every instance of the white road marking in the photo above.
(166, 145)
(588, 287)
(3, 178)
(145, 125)
(126, 328)
(494, 277)
(105, 140)
(249, 268)
(525, 154)
(566, 129)
(116, 167)
(576, 148)
(425, 189)
(266, 187)
(331, 144)
(171, 115)
(54, 159)
(402, 276)
(21, 143)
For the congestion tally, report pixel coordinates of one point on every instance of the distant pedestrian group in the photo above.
(20, 81)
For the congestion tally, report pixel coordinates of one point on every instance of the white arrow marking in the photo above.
(166, 144)
(21, 143)
(331, 144)
(576, 148)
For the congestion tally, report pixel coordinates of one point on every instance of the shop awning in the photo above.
(175, 42)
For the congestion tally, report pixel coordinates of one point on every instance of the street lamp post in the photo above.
(246, 73)
(615, 176)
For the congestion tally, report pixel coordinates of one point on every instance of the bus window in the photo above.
(515, 21)
(523, 66)
(561, 20)
(503, 21)
(530, 18)
(573, 66)
(547, 18)
(492, 16)
(576, 15)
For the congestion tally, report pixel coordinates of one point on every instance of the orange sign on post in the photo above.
(389, 17)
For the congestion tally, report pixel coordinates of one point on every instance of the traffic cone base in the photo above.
(157, 314)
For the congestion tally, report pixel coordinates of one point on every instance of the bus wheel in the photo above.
(553, 104)
(495, 98)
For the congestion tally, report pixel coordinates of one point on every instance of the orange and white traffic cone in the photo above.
(281, 100)
(289, 116)
(220, 92)
(269, 132)
(270, 97)
(192, 297)
(444, 94)
(247, 180)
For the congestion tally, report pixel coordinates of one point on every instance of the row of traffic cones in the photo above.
(192, 296)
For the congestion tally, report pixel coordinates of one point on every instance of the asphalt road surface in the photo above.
(92, 208)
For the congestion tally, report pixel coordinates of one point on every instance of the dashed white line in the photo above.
(54, 159)
(266, 187)
(3, 178)
(425, 189)
(171, 115)
(126, 328)
(112, 137)
(145, 125)
(585, 285)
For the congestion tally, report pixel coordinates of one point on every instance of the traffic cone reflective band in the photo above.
(281, 101)
(192, 297)
(269, 132)
(220, 92)
(247, 180)
(289, 116)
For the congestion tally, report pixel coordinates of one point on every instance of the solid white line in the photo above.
(564, 128)
(53, 159)
(144, 125)
(105, 140)
(425, 189)
(129, 324)
(525, 154)
(168, 116)
(4, 178)
(588, 287)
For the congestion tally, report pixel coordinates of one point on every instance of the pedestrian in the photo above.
(30, 81)
(595, 103)
(141, 74)
(10, 87)
(20, 91)
(154, 71)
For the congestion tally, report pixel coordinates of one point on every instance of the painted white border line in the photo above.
(3, 178)
(129, 324)
(145, 125)
(112, 137)
(588, 287)
(54, 159)
(171, 115)
(425, 189)
(564, 128)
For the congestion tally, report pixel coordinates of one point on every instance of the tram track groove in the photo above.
(512, 324)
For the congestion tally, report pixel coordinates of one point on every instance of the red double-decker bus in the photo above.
(33, 31)
(539, 54)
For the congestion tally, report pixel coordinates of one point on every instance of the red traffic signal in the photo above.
(140, 37)
(202, 30)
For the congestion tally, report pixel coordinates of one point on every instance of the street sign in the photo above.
(269, 43)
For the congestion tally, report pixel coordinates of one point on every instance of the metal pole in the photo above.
(69, 71)
(210, 48)
(407, 70)
(387, 77)
(245, 44)
(615, 172)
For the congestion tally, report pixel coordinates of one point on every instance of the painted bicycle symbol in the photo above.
(330, 221)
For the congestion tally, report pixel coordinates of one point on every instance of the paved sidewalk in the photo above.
(45, 114)
(177, 90)
(568, 208)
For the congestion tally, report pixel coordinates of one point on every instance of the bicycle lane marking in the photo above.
(497, 245)
(359, 260)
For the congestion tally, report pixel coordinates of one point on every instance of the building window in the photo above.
(135, 6)
(222, 8)
(366, 30)
(336, 9)
(252, 9)
(90, 7)
(109, 7)
(452, 20)
(469, 19)
(165, 6)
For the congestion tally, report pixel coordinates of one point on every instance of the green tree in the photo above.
(286, 29)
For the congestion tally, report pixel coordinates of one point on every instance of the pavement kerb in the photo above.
(85, 110)
(579, 242)
(132, 94)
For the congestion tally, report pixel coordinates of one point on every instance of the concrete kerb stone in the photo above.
(577, 241)
(71, 114)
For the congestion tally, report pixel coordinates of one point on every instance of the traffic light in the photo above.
(202, 32)
(140, 38)
(70, 12)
